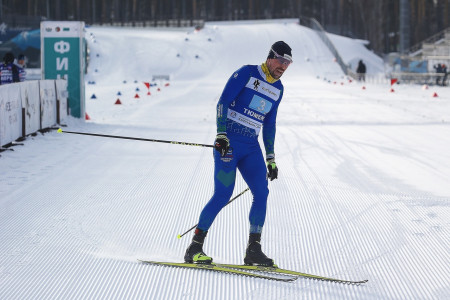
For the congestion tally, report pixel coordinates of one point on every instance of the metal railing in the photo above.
(315, 25)
(379, 78)
(421, 78)
(416, 49)
(173, 23)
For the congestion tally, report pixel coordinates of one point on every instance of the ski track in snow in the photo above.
(363, 189)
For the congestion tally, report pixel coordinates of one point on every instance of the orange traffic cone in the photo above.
(118, 101)
(136, 96)
(435, 94)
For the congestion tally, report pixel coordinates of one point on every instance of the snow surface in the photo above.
(363, 189)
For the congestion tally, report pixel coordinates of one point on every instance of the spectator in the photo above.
(21, 63)
(438, 69)
(361, 71)
(444, 71)
(9, 72)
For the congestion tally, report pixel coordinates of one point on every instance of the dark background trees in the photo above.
(374, 20)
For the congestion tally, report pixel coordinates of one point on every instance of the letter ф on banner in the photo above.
(62, 63)
(63, 57)
(62, 47)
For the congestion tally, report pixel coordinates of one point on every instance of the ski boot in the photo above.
(194, 253)
(254, 254)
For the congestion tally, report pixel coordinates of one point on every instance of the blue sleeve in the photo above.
(269, 129)
(232, 89)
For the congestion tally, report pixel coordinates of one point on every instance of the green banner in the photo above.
(63, 57)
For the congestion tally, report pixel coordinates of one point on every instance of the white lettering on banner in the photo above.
(244, 120)
(62, 64)
(61, 47)
(263, 88)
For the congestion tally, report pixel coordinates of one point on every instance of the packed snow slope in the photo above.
(363, 188)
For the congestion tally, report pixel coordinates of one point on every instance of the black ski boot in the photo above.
(254, 254)
(194, 253)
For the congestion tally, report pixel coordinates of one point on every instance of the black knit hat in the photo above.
(282, 49)
(8, 58)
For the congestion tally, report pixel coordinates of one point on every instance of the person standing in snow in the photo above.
(21, 64)
(249, 103)
(444, 71)
(9, 72)
(361, 71)
(438, 69)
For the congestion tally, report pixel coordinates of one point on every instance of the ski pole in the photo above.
(231, 200)
(134, 138)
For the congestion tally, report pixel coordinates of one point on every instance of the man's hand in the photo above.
(272, 169)
(222, 144)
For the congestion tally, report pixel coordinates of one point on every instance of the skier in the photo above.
(248, 103)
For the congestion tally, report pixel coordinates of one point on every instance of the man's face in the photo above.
(276, 67)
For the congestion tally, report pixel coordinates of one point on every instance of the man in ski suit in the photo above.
(249, 103)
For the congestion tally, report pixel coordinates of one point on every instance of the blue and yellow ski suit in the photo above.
(249, 103)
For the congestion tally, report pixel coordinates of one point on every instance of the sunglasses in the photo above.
(284, 59)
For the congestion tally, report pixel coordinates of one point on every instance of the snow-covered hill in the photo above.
(363, 190)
